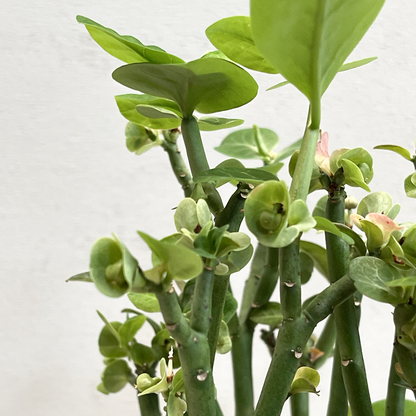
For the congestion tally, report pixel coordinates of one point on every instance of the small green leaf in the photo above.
(306, 267)
(218, 123)
(186, 215)
(410, 186)
(370, 276)
(115, 376)
(207, 85)
(237, 260)
(320, 207)
(224, 343)
(230, 307)
(318, 255)
(308, 41)
(402, 282)
(232, 36)
(109, 344)
(138, 140)
(241, 144)
(323, 224)
(126, 48)
(142, 354)
(102, 389)
(269, 314)
(81, 277)
(130, 328)
(379, 408)
(128, 104)
(248, 175)
(176, 406)
(380, 202)
(305, 381)
(353, 175)
(106, 267)
(146, 302)
(396, 149)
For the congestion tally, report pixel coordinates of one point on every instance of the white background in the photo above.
(67, 179)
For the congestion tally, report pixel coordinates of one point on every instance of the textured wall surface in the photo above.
(67, 179)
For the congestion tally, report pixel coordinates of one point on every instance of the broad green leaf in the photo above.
(102, 389)
(130, 328)
(126, 48)
(232, 36)
(142, 354)
(106, 267)
(323, 224)
(206, 85)
(269, 314)
(370, 276)
(307, 41)
(380, 202)
(81, 277)
(181, 262)
(115, 376)
(344, 67)
(186, 215)
(127, 104)
(396, 149)
(242, 144)
(146, 302)
(318, 255)
(218, 123)
(410, 186)
(109, 344)
(249, 175)
(305, 381)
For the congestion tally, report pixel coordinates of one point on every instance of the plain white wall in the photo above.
(67, 179)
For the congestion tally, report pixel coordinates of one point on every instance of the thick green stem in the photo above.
(178, 166)
(242, 369)
(290, 284)
(149, 405)
(202, 300)
(299, 404)
(218, 301)
(268, 279)
(299, 187)
(338, 403)
(395, 394)
(198, 161)
(348, 338)
(291, 339)
(194, 355)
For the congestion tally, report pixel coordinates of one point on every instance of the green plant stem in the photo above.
(241, 354)
(348, 338)
(291, 339)
(149, 405)
(194, 355)
(290, 284)
(219, 293)
(299, 187)
(202, 299)
(338, 403)
(268, 280)
(395, 394)
(198, 161)
(299, 404)
(178, 166)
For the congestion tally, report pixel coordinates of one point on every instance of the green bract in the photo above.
(272, 219)
(139, 139)
(305, 381)
(207, 85)
(126, 48)
(307, 41)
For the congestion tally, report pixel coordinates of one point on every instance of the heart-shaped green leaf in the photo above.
(380, 202)
(307, 41)
(207, 85)
(232, 36)
(126, 48)
(115, 376)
